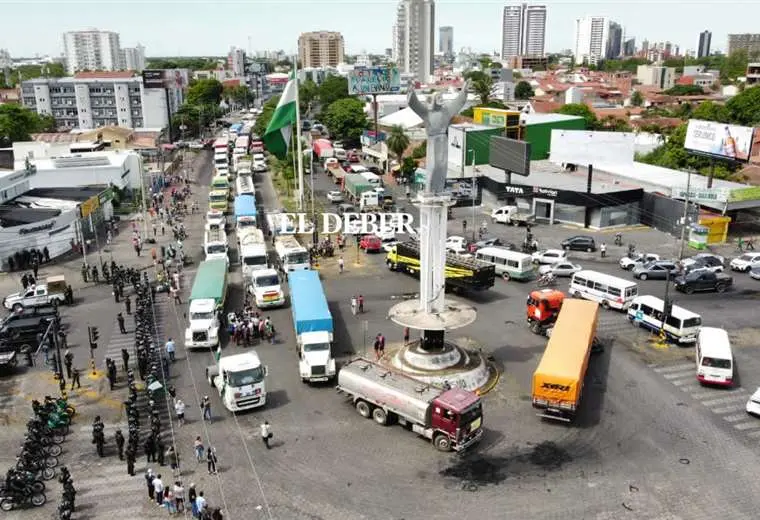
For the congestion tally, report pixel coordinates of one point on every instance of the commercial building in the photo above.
(414, 38)
(656, 75)
(629, 47)
(92, 50)
(523, 30)
(321, 49)
(753, 74)
(744, 42)
(97, 99)
(446, 40)
(703, 48)
(134, 58)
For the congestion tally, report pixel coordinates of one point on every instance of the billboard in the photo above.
(373, 80)
(719, 139)
(510, 155)
(456, 147)
(582, 148)
(165, 78)
(496, 117)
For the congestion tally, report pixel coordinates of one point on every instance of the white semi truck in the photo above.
(240, 380)
(291, 254)
(207, 299)
(252, 250)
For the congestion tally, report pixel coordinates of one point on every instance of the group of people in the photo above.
(175, 500)
(28, 259)
(247, 327)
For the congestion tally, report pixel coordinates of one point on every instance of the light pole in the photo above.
(474, 187)
(685, 215)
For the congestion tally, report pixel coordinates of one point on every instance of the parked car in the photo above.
(704, 262)
(703, 281)
(371, 244)
(375, 170)
(755, 272)
(753, 404)
(549, 256)
(745, 262)
(560, 269)
(456, 244)
(335, 196)
(494, 242)
(346, 208)
(638, 260)
(656, 270)
(353, 157)
(579, 243)
(44, 313)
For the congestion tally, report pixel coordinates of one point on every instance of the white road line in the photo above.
(725, 400)
(678, 375)
(727, 409)
(754, 434)
(674, 368)
(681, 382)
(753, 425)
(700, 395)
(735, 418)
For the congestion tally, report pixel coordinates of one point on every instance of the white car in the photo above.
(334, 196)
(389, 244)
(745, 262)
(753, 404)
(560, 269)
(456, 244)
(549, 256)
(259, 166)
(629, 263)
(386, 234)
(704, 262)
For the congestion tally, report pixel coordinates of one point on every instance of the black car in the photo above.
(45, 312)
(495, 242)
(703, 280)
(375, 170)
(579, 243)
(23, 331)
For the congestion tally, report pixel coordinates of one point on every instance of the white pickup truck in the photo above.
(240, 381)
(51, 293)
(512, 215)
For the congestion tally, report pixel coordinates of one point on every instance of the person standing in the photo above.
(603, 250)
(119, 438)
(381, 338)
(206, 407)
(406, 335)
(376, 346)
(175, 294)
(130, 461)
(125, 358)
(150, 449)
(75, 378)
(68, 361)
(160, 451)
(179, 408)
(111, 373)
(198, 448)
(173, 459)
(171, 350)
(149, 478)
(120, 319)
(179, 497)
(211, 460)
(158, 489)
(266, 434)
(360, 301)
(200, 503)
(191, 497)
(128, 304)
(354, 305)
(341, 264)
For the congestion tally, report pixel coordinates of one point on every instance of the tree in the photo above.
(183, 63)
(193, 118)
(18, 123)
(614, 124)
(744, 108)
(709, 111)
(523, 90)
(239, 95)
(346, 119)
(308, 91)
(332, 89)
(482, 88)
(685, 90)
(579, 109)
(734, 65)
(205, 92)
(397, 141)
(266, 115)
(408, 168)
(420, 151)
(637, 99)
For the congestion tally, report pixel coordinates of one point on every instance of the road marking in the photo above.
(753, 434)
(725, 400)
(680, 382)
(727, 409)
(674, 368)
(735, 418)
(753, 425)
(700, 395)
(679, 374)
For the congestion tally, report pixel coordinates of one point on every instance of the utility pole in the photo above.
(685, 216)
(474, 190)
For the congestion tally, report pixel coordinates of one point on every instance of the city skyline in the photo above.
(478, 25)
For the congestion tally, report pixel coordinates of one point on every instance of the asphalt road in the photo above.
(649, 443)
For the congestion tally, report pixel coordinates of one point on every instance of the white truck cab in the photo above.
(215, 218)
(265, 288)
(203, 326)
(240, 381)
(252, 250)
(369, 200)
(293, 256)
(314, 350)
(215, 244)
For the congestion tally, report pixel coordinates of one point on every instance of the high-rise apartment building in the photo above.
(321, 49)
(629, 47)
(615, 41)
(92, 50)
(703, 49)
(133, 58)
(415, 38)
(523, 30)
(744, 42)
(446, 40)
(592, 36)
(236, 62)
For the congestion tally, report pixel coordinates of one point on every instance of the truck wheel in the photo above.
(720, 288)
(364, 409)
(442, 442)
(379, 416)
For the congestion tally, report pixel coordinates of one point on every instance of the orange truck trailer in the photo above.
(558, 380)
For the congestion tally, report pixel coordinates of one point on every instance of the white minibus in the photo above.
(371, 178)
(510, 265)
(715, 361)
(608, 291)
(681, 326)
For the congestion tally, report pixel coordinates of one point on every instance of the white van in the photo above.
(371, 178)
(681, 326)
(510, 265)
(608, 291)
(340, 154)
(715, 361)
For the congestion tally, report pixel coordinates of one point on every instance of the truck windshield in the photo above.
(255, 260)
(267, 281)
(214, 249)
(246, 223)
(218, 198)
(470, 415)
(202, 315)
(316, 347)
(298, 258)
(245, 377)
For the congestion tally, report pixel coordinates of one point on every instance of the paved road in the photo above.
(650, 443)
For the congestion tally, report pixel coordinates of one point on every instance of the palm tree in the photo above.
(482, 87)
(397, 141)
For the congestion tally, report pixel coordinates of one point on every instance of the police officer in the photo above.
(119, 437)
(68, 361)
(120, 319)
(128, 304)
(131, 461)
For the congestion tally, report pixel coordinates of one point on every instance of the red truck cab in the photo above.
(542, 308)
(459, 415)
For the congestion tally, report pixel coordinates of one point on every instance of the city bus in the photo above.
(681, 326)
(609, 291)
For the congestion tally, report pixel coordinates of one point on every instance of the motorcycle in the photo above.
(12, 498)
(547, 280)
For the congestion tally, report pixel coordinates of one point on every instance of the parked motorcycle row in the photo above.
(25, 484)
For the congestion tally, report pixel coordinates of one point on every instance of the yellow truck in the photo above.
(558, 380)
(219, 199)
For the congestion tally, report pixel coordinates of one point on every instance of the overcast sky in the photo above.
(192, 28)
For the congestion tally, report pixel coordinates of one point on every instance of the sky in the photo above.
(206, 28)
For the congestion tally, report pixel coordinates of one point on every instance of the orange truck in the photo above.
(558, 380)
(336, 171)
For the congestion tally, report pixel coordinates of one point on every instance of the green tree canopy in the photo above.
(193, 118)
(308, 91)
(710, 111)
(239, 94)
(523, 90)
(25, 72)
(744, 108)
(266, 115)
(346, 119)
(482, 86)
(397, 141)
(420, 151)
(205, 92)
(582, 110)
(637, 99)
(18, 123)
(685, 90)
(332, 89)
(183, 63)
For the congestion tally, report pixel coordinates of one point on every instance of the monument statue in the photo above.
(436, 119)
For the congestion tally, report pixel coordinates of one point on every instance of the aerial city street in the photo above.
(418, 283)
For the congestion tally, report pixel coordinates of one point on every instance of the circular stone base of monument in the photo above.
(409, 314)
(452, 365)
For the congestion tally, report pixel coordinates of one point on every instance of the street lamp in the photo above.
(474, 187)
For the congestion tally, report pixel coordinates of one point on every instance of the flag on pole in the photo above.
(218, 354)
(279, 131)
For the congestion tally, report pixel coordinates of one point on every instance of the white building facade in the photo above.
(592, 35)
(415, 38)
(92, 50)
(134, 58)
(656, 76)
(523, 30)
(236, 61)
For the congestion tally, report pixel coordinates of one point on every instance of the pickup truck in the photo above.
(703, 281)
(36, 296)
(44, 314)
(512, 215)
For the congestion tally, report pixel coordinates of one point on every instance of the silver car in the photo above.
(657, 270)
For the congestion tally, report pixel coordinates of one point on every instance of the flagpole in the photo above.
(298, 136)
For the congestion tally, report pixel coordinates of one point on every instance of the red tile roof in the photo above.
(231, 83)
(105, 74)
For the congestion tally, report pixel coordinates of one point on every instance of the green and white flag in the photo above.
(279, 131)
(218, 352)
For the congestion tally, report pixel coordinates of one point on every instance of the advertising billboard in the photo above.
(719, 139)
(456, 147)
(373, 80)
(510, 155)
(165, 78)
(582, 148)
(496, 117)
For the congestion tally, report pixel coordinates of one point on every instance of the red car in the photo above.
(371, 244)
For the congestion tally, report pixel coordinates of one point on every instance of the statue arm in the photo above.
(415, 104)
(458, 103)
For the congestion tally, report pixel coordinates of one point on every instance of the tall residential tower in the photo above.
(92, 50)
(523, 30)
(415, 38)
(703, 49)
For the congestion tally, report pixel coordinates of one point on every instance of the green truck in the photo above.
(206, 299)
(354, 185)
